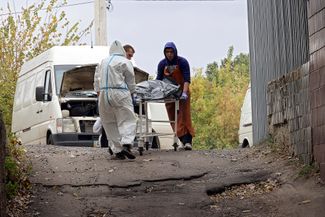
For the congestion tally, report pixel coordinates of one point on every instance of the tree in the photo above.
(212, 70)
(217, 100)
(241, 64)
(24, 36)
(3, 139)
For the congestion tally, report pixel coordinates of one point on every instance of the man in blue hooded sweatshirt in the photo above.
(177, 68)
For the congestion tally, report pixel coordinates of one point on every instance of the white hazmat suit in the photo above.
(115, 81)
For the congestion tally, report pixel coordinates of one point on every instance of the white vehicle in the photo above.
(53, 105)
(54, 101)
(158, 112)
(246, 127)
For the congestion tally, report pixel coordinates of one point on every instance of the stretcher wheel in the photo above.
(175, 145)
(140, 149)
(147, 145)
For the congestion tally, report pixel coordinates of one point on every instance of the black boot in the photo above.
(110, 151)
(128, 146)
(119, 156)
(127, 151)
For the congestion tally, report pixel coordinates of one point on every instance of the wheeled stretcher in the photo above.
(144, 133)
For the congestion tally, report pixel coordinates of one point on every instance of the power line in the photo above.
(110, 4)
(182, 0)
(62, 6)
(175, 0)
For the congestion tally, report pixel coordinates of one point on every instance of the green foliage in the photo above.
(270, 141)
(11, 189)
(17, 168)
(217, 98)
(307, 171)
(24, 36)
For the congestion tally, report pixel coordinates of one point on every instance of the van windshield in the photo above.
(59, 70)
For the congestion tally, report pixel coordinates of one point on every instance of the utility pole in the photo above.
(100, 23)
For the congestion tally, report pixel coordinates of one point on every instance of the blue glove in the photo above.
(184, 96)
(134, 101)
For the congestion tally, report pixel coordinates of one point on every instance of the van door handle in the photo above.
(40, 111)
(37, 112)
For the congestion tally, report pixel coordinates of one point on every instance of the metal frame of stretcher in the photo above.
(143, 137)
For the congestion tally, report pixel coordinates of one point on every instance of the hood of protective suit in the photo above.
(117, 48)
(172, 46)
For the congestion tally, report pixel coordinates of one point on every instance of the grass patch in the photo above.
(307, 171)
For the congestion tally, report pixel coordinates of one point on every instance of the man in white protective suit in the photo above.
(115, 82)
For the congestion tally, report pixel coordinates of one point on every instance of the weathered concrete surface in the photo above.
(85, 182)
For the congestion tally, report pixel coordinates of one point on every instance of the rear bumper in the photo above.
(75, 139)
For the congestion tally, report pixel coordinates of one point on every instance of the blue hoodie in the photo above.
(181, 61)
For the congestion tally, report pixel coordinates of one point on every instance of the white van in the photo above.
(246, 127)
(54, 101)
(53, 106)
(158, 112)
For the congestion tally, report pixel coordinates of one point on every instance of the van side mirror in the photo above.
(39, 94)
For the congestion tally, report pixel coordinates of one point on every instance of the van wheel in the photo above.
(155, 143)
(49, 140)
(245, 144)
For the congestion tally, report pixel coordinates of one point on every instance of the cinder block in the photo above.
(313, 118)
(315, 136)
(319, 115)
(320, 149)
(322, 95)
(318, 98)
(322, 171)
(317, 153)
(322, 76)
(321, 132)
(321, 57)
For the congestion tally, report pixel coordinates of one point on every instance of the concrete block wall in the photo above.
(288, 111)
(316, 26)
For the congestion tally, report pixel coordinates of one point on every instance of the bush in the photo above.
(17, 168)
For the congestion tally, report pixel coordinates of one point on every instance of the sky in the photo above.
(202, 30)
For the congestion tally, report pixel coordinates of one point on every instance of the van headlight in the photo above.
(65, 125)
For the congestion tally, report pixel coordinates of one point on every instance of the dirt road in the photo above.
(85, 182)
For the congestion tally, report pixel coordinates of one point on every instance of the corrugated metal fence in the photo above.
(278, 38)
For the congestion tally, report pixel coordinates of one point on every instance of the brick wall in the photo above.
(316, 25)
(288, 110)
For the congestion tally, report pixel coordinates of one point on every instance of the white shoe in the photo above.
(188, 147)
